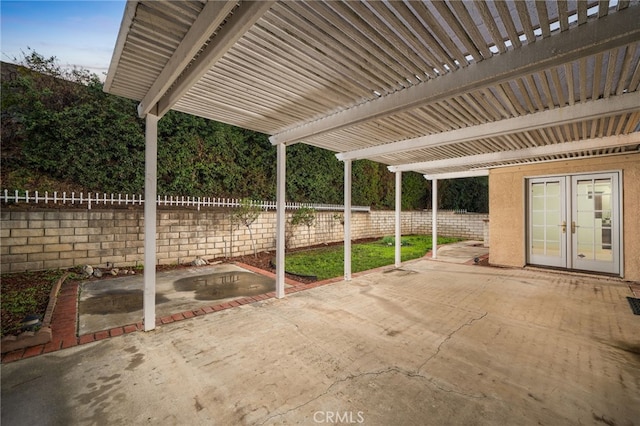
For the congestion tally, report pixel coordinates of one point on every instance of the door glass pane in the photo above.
(537, 219)
(537, 203)
(604, 254)
(593, 219)
(584, 186)
(585, 202)
(546, 219)
(537, 189)
(538, 233)
(585, 235)
(585, 219)
(553, 233)
(537, 247)
(553, 218)
(553, 188)
(553, 203)
(585, 251)
(603, 186)
(553, 248)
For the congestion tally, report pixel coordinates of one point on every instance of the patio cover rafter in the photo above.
(233, 30)
(569, 114)
(526, 153)
(592, 38)
(212, 15)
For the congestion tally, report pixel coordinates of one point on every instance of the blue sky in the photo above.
(78, 33)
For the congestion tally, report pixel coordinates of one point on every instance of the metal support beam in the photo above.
(470, 161)
(150, 191)
(458, 175)
(597, 109)
(434, 219)
(281, 218)
(347, 220)
(610, 32)
(398, 255)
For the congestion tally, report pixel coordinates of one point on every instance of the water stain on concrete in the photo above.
(226, 284)
(96, 394)
(135, 362)
(116, 301)
(198, 405)
(399, 272)
(131, 350)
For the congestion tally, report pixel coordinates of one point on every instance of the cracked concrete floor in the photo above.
(434, 343)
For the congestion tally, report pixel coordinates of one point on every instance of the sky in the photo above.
(78, 33)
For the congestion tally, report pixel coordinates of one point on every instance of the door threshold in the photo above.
(574, 272)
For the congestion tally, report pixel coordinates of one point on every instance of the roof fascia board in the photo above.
(237, 25)
(523, 154)
(209, 19)
(457, 175)
(125, 26)
(578, 112)
(612, 31)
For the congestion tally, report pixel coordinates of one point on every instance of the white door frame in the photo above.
(541, 249)
(547, 221)
(598, 227)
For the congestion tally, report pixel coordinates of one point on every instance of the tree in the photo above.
(471, 194)
(314, 175)
(246, 214)
(304, 216)
(59, 126)
(63, 125)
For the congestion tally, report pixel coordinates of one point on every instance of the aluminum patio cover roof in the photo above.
(444, 88)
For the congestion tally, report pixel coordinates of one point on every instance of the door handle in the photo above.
(564, 226)
(573, 227)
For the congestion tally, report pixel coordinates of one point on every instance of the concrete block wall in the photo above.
(47, 239)
(469, 226)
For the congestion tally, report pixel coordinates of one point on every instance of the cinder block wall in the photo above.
(35, 240)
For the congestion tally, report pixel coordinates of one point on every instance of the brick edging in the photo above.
(43, 336)
(53, 298)
(64, 317)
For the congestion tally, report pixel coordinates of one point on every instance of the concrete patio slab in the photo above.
(462, 252)
(105, 304)
(431, 343)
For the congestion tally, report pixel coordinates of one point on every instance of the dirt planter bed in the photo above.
(43, 335)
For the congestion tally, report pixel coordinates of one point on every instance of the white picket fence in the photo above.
(104, 199)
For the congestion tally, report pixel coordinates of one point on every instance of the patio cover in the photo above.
(444, 88)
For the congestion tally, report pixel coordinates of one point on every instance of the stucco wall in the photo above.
(507, 224)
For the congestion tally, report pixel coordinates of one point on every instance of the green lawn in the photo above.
(328, 262)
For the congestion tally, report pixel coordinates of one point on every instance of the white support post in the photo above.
(280, 218)
(398, 219)
(434, 218)
(150, 190)
(347, 220)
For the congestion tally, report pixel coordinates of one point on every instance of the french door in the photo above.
(574, 222)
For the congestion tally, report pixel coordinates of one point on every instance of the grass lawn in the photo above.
(328, 262)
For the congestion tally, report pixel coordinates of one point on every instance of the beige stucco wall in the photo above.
(507, 207)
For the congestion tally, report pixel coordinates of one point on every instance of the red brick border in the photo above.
(65, 316)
